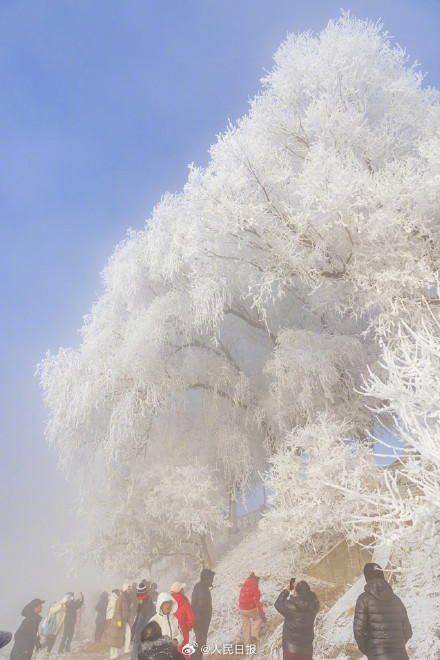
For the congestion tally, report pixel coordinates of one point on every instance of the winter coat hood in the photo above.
(179, 598)
(380, 589)
(207, 576)
(163, 598)
(306, 604)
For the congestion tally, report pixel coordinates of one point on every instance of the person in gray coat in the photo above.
(381, 626)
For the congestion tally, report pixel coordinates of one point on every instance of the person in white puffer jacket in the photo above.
(166, 607)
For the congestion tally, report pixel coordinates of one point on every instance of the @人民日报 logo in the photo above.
(189, 648)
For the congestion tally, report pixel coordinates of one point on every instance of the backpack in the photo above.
(50, 626)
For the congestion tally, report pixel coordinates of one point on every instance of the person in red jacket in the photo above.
(250, 608)
(184, 613)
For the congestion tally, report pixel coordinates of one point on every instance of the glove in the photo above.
(263, 617)
(119, 624)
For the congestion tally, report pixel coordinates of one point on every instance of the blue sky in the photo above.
(104, 104)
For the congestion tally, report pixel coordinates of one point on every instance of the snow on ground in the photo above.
(421, 597)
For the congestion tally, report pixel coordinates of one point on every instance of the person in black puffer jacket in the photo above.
(381, 626)
(26, 638)
(154, 646)
(299, 611)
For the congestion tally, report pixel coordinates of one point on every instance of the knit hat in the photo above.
(177, 586)
(142, 591)
(372, 570)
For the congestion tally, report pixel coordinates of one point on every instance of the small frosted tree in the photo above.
(260, 297)
(409, 513)
(305, 507)
(148, 516)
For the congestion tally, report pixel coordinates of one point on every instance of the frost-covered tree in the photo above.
(256, 300)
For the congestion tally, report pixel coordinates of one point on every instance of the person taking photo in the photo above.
(299, 606)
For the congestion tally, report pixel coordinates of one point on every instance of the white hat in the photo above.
(126, 586)
(177, 586)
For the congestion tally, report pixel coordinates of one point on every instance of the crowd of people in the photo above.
(156, 626)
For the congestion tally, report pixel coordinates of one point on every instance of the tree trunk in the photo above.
(205, 550)
(233, 516)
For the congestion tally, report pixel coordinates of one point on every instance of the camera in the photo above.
(292, 583)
